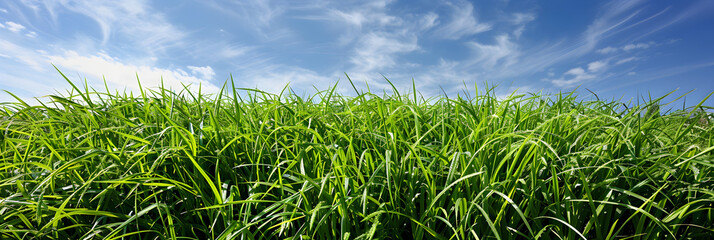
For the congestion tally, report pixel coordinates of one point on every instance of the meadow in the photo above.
(161, 164)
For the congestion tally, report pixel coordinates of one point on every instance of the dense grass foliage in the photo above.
(184, 165)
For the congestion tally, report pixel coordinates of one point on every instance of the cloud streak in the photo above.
(580, 75)
(463, 22)
(13, 26)
(503, 53)
(134, 20)
(626, 48)
(377, 51)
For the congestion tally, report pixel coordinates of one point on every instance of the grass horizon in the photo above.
(165, 165)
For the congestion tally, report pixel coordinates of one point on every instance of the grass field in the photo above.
(93, 164)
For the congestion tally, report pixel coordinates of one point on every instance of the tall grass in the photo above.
(93, 164)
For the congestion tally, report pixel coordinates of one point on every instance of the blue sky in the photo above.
(618, 49)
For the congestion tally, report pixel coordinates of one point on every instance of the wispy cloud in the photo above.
(218, 50)
(579, 75)
(572, 77)
(503, 53)
(18, 28)
(520, 20)
(361, 17)
(3, 10)
(377, 51)
(257, 16)
(13, 26)
(607, 50)
(694, 10)
(626, 60)
(377, 37)
(31, 34)
(597, 66)
(614, 15)
(206, 72)
(628, 47)
(463, 22)
(263, 11)
(428, 21)
(134, 20)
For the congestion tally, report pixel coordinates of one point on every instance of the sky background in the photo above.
(618, 49)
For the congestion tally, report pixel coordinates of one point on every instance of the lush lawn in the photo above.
(181, 165)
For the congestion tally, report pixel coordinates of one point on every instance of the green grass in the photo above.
(184, 165)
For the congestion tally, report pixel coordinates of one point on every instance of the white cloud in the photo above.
(572, 77)
(428, 21)
(463, 23)
(31, 34)
(519, 31)
(607, 50)
(377, 51)
(364, 16)
(13, 26)
(631, 73)
(233, 51)
(504, 52)
(628, 47)
(597, 66)
(632, 46)
(520, 20)
(2, 26)
(629, 59)
(575, 71)
(354, 18)
(579, 75)
(207, 72)
(3, 10)
(121, 75)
